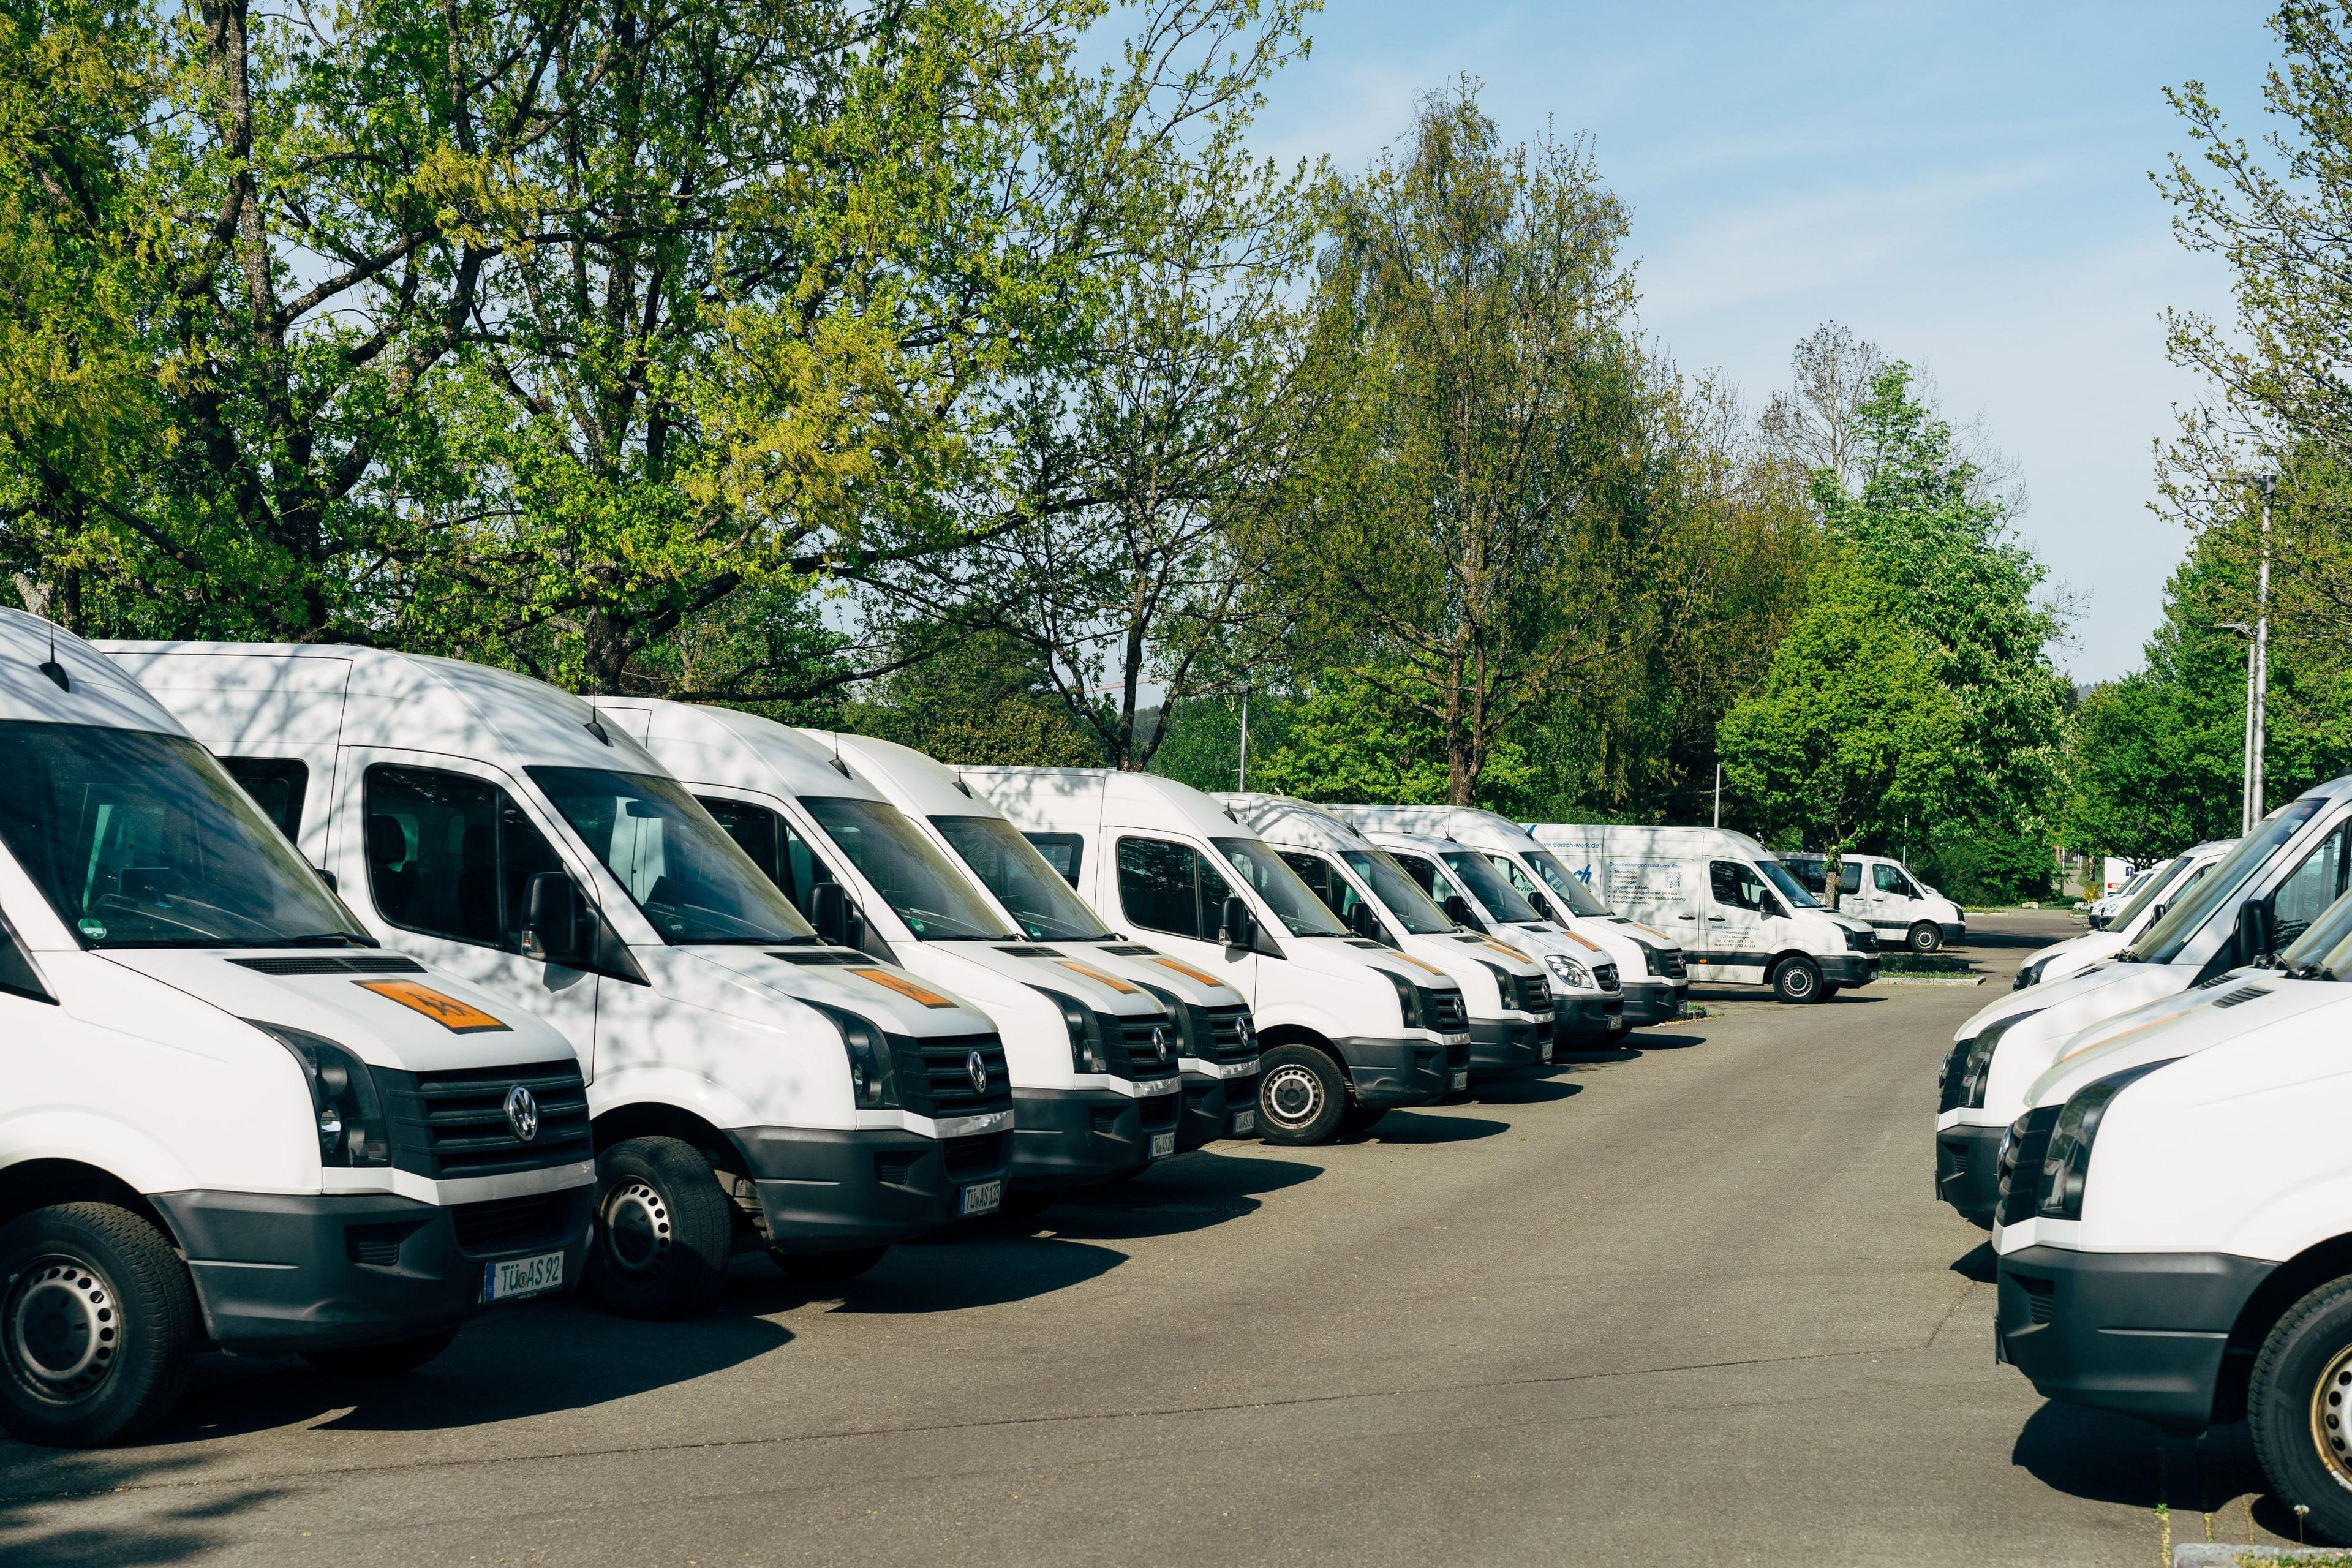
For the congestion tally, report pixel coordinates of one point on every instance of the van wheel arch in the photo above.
(1300, 1035)
(32, 1184)
(2288, 1283)
(1781, 960)
(653, 1119)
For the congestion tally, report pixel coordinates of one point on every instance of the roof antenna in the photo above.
(53, 670)
(838, 765)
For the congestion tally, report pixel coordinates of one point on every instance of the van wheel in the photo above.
(1797, 979)
(1301, 1095)
(371, 1361)
(1925, 936)
(2299, 1408)
(98, 1325)
(846, 1264)
(662, 1232)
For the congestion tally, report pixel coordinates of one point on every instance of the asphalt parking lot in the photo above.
(1688, 1301)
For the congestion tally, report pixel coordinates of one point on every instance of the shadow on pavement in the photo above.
(2013, 940)
(34, 1481)
(990, 1270)
(1523, 1089)
(2106, 1458)
(1190, 1192)
(1978, 1264)
(1600, 1057)
(1414, 1127)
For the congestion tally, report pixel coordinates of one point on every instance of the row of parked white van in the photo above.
(2151, 1124)
(345, 992)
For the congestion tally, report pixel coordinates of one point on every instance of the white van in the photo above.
(751, 1088)
(2176, 1220)
(2076, 953)
(2102, 910)
(2257, 898)
(227, 1118)
(1652, 973)
(1504, 990)
(1348, 1028)
(1587, 1001)
(1900, 908)
(1743, 916)
(1093, 1059)
(1216, 1045)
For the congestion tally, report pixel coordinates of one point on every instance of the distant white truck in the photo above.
(1735, 908)
(1903, 909)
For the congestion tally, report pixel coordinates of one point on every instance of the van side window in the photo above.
(1323, 879)
(1425, 876)
(1812, 874)
(772, 845)
(276, 785)
(1891, 880)
(1736, 884)
(2311, 886)
(450, 855)
(1168, 888)
(1850, 877)
(1063, 851)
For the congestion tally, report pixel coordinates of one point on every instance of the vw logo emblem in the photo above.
(522, 1114)
(977, 1065)
(1160, 1045)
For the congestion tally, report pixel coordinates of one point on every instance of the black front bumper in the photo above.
(1955, 932)
(2141, 1333)
(1211, 1105)
(1069, 1137)
(277, 1272)
(1656, 1001)
(1387, 1073)
(1968, 1171)
(1849, 968)
(1498, 1046)
(1586, 1017)
(830, 1190)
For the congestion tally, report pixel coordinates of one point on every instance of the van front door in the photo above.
(1733, 920)
(1895, 903)
(1173, 896)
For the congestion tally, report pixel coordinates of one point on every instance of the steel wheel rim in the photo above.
(64, 1327)
(2331, 1417)
(637, 1228)
(1798, 982)
(1293, 1096)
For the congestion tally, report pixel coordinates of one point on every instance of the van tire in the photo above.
(662, 1232)
(1301, 1095)
(2287, 1405)
(846, 1264)
(370, 1363)
(1797, 979)
(63, 1269)
(1926, 936)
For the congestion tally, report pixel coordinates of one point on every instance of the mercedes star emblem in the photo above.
(522, 1113)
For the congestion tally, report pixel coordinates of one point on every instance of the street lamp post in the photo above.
(2258, 681)
(2248, 790)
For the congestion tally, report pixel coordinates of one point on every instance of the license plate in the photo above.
(1245, 1121)
(523, 1276)
(983, 1197)
(1162, 1145)
(1461, 1080)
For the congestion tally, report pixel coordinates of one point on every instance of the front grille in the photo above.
(333, 964)
(1223, 1034)
(451, 1124)
(2022, 1155)
(1445, 1012)
(378, 1245)
(934, 1077)
(512, 1225)
(1535, 996)
(1131, 1054)
(1951, 1159)
(1862, 940)
(1158, 1114)
(1670, 963)
(2041, 1297)
(1949, 1085)
(975, 1158)
(1604, 975)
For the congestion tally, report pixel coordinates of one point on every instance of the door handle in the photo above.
(1686, 917)
(1715, 919)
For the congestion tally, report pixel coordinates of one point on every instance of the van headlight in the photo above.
(1978, 1068)
(2066, 1166)
(346, 1114)
(1570, 972)
(2029, 974)
(873, 1082)
(1089, 1053)
(1408, 996)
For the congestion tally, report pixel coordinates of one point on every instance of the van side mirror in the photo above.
(836, 920)
(1544, 908)
(2254, 931)
(1457, 910)
(1771, 909)
(327, 877)
(1236, 927)
(2157, 913)
(554, 920)
(1364, 923)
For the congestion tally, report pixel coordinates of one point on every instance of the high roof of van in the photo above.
(1280, 819)
(1470, 825)
(1108, 795)
(741, 751)
(96, 692)
(239, 693)
(928, 787)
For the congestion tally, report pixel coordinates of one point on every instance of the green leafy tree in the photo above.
(978, 698)
(1852, 733)
(1346, 739)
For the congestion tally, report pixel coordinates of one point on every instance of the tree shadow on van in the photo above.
(51, 1500)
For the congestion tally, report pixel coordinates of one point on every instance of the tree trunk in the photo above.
(1833, 869)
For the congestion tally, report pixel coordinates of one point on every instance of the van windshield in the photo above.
(693, 882)
(1790, 889)
(1293, 903)
(914, 878)
(139, 839)
(2324, 951)
(1496, 897)
(2156, 884)
(1573, 892)
(1400, 892)
(2163, 942)
(1021, 878)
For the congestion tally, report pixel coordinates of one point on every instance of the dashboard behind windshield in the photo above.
(1020, 878)
(695, 884)
(914, 878)
(1299, 910)
(1790, 889)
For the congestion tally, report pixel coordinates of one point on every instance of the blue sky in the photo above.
(1966, 184)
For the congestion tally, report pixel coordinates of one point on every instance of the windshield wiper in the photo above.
(316, 938)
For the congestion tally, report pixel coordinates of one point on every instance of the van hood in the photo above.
(2241, 1005)
(2059, 994)
(1146, 966)
(883, 994)
(2067, 1008)
(1066, 967)
(411, 1019)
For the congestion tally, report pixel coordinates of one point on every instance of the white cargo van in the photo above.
(2176, 1221)
(1743, 917)
(1504, 990)
(2076, 953)
(1650, 964)
(1095, 1094)
(2102, 911)
(1215, 1043)
(1588, 1001)
(1348, 1029)
(1900, 908)
(750, 1087)
(228, 1118)
(2257, 898)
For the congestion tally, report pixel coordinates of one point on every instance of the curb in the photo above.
(2213, 1554)
(1930, 980)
